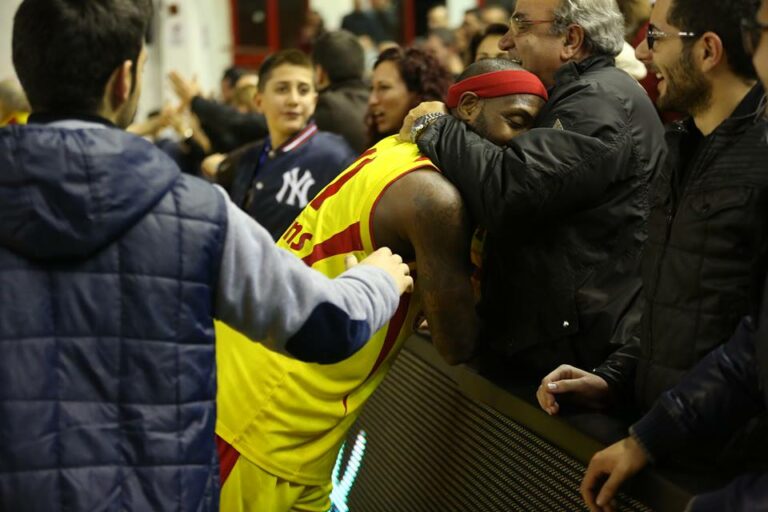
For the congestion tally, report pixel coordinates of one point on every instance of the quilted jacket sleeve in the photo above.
(268, 294)
(716, 397)
(720, 394)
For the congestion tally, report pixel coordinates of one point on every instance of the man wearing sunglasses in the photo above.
(729, 386)
(706, 224)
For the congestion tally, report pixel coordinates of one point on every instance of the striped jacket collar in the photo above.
(298, 140)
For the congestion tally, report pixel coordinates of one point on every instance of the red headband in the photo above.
(497, 83)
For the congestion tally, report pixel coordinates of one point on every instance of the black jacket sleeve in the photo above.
(227, 128)
(619, 368)
(542, 173)
(715, 398)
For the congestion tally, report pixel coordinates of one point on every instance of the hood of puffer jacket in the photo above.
(66, 192)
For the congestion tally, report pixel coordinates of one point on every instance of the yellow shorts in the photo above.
(248, 488)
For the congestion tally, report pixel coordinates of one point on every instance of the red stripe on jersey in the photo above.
(421, 159)
(334, 187)
(393, 331)
(227, 458)
(342, 242)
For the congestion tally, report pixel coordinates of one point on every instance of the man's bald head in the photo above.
(489, 66)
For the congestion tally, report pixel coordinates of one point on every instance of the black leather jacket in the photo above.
(706, 245)
(566, 207)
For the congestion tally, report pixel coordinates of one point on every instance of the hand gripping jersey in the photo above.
(289, 417)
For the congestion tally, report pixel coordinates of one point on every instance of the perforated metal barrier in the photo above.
(423, 445)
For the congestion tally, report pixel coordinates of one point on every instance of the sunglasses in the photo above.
(751, 33)
(654, 34)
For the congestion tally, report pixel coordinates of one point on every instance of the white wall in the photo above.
(456, 9)
(7, 10)
(195, 41)
(332, 11)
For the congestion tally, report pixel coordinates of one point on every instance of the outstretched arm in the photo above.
(541, 173)
(268, 294)
(425, 212)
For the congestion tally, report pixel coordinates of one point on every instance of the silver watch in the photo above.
(420, 124)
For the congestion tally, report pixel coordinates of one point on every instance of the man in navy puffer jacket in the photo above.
(113, 266)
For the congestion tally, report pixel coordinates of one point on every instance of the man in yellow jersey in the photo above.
(280, 429)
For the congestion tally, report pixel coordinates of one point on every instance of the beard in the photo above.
(480, 127)
(687, 89)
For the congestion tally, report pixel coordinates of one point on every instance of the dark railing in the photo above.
(442, 438)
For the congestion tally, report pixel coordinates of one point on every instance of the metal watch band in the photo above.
(422, 122)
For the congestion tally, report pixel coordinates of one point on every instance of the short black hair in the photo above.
(65, 51)
(494, 29)
(340, 54)
(721, 17)
(484, 66)
(232, 74)
(292, 56)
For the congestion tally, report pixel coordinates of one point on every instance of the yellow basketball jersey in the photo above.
(290, 417)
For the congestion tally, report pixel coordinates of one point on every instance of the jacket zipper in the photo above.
(669, 217)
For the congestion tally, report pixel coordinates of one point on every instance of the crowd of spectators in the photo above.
(615, 186)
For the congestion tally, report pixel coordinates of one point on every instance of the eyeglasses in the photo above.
(520, 24)
(751, 33)
(654, 34)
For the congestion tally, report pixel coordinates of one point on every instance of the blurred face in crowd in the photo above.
(227, 90)
(682, 85)
(244, 96)
(127, 112)
(471, 24)
(499, 119)
(287, 101)
(530, 40)
(494, 14)
(390, 99)
(380, 5)
(437, 17)
(435, 45)
(489, 48)
(760, 58)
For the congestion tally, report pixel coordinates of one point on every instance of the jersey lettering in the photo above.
(291, 234)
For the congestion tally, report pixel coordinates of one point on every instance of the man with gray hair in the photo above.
(565, 205)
